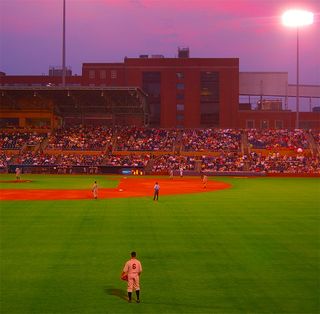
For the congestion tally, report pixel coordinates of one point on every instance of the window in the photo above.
(207, 107)
(180, 86)
(151, 84)
(92, 74)
(180, 96)
(180, 117)
(264, 124)
(180, 107)
(209, 119)
(114, 74)
(278, 124)
(180, 75)
(250, 124)
(209, 76)
(209, 99)
(103, 74)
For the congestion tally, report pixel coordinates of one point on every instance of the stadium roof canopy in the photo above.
(73, 101)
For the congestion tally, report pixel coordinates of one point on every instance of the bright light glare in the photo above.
(296, 18)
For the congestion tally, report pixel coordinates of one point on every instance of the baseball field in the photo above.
(242, 245)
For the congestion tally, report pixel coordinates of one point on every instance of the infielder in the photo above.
(18, 173)
(133, 269)
(171, 173)
(204, 181)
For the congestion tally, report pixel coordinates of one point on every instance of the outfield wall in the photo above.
(127, 170)
(75, 169)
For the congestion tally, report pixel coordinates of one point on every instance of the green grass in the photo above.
(58, 181)
(250, 249)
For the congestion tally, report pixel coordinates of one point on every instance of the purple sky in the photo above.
(109, 30)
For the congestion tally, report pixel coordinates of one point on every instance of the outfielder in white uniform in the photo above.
(133, 269)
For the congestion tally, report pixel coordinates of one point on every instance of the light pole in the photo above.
(64, 45)
(297, 18)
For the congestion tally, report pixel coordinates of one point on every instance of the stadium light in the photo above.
(64, 44)
(297, 19)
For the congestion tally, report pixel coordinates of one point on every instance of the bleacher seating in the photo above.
(215, 150)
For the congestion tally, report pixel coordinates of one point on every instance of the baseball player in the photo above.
(181, 171)
(18, 173)
(95, 190)
(133, 269)
(204, 181)
(171, 173)
(156, 191)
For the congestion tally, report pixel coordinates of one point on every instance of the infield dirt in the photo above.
(128, 187)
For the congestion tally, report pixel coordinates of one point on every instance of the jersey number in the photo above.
(134, 266)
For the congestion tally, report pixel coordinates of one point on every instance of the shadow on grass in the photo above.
(120, 293)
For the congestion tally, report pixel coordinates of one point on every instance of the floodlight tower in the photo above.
(64, 45)
(297, 18)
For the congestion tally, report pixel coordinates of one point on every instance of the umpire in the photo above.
(156, 191)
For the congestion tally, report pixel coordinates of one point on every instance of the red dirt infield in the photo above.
(128, 187)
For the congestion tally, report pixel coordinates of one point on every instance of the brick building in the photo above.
(181, 92)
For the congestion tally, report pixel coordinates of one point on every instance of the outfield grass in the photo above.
(250, 249)
(58, 182)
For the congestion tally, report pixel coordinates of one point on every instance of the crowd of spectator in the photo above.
(127, 160)
(36, 159)
(71, 160)
(283, 138)
(4, 160)
(224, 162)
(146, 139)
(81, 138)
(316, 136)
(165, 143)
(277, 163)
(36, 139)
(211, 140)
(164, 163)
(15, 141)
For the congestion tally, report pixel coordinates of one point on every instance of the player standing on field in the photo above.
(133, 269)
(95, 190)
(156, 191)
(18, 173)
(181, 171)
(204, 181)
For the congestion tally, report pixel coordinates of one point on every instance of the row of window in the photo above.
(264, 124)
(180, 96)
(180, 86)
(250, 124)
(102, 74)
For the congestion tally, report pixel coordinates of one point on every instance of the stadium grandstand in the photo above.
(153, 115)
(83, 149)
